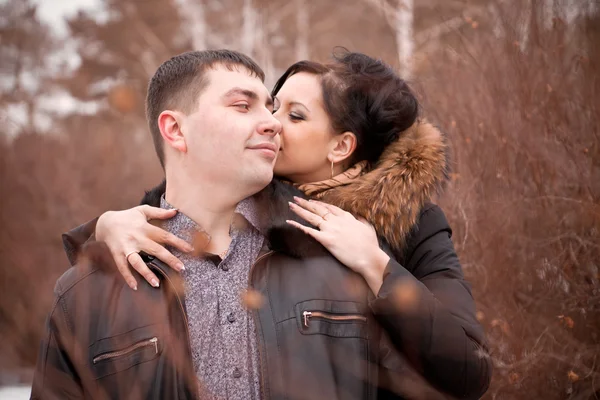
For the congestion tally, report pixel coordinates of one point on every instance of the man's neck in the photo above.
(209, 204)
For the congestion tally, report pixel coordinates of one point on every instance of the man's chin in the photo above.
(262, 176)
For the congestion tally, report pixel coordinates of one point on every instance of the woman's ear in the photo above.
(170, 125)
(343, 146)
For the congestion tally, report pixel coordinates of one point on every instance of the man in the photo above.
(211, 120)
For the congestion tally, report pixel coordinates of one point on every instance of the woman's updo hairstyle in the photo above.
(364, 96)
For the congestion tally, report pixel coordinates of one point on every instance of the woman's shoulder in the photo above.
(432, 218)
(431, 222)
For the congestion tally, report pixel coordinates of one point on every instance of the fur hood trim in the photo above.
(392, 194)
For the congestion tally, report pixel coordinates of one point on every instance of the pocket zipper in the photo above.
(307, 315)
(133, 347)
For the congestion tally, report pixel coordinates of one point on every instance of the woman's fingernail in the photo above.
(154, 282)
(291, 204)
(133, 286)
(180, 267)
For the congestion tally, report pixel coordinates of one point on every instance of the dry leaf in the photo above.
(566, 321)
(252, 299)
(353, 284)
(200, 241)
(503, 325)
(513, 378)
(573, 377)
(122, 98)
(406, 295)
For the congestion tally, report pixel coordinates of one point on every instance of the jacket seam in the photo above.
(63, 305)
(47, 348)
(71, 285)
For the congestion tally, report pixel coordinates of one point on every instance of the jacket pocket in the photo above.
(121, 352)
(332, 318)
(139, 346)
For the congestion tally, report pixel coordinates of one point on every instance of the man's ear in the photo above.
(170, 123)
(343, 146)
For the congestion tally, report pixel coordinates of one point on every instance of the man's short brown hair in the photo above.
(178, 82)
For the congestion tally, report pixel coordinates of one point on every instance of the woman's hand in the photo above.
(128, 232)
(353, 242)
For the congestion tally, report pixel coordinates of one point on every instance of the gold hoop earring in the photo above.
(331, 169)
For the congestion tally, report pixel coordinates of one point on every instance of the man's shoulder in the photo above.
(70, 278)
(95, 257)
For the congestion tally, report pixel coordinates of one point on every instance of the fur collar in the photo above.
(390, 196)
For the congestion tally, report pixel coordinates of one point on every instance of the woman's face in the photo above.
(307, 136)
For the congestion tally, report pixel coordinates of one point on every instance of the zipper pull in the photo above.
(306, 315)
(155, 341)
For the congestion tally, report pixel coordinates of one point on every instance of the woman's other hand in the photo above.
(353, 242)
(128, 232)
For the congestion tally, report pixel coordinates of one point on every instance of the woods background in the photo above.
(514, 84)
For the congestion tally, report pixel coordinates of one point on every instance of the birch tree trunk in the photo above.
(302, 21)
(404, 36)
(192, 11)
(548, 12)
(249, 27)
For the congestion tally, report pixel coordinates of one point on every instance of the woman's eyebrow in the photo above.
(297, 103)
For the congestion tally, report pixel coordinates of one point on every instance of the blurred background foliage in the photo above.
(514, 84)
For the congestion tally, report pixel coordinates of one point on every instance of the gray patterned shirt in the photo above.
(222, 332)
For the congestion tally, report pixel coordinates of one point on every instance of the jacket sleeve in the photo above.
(76, 238)
(428, 312)
(54, 375)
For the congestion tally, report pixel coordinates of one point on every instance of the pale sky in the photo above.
(54, 11)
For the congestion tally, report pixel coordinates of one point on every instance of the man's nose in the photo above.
(270, 126)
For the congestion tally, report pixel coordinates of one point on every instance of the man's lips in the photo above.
(265, 146)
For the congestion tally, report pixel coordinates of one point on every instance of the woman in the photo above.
(351, 141)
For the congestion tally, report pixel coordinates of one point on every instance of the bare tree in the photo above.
(302, 29)
(192, 11)
(249, 28)
(404, 35)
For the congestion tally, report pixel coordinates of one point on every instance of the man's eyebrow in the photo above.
(244, 92)
(248, 93)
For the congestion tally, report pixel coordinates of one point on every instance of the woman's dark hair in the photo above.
(364, 96)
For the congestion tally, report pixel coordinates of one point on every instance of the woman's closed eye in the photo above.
(296, 117)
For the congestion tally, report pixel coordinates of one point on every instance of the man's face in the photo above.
(232, 135)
